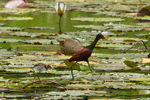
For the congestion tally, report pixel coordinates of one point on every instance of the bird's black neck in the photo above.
(91, 46)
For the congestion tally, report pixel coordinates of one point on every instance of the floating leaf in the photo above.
(26, 34)
(131, 64)
(146, 35)
(116, 46)
(17, 11)
(11, 29)
(123, 27)
(3, 24)
(142, 24)
(140, 79)
(94, 33)
(143, 18)
(69, 64)
(98, 19)
(16, 18)
(10, 40)
(126, 40)
(40, 28)
(41, 41)
(94, 27)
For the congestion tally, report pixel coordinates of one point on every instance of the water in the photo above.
(52, 20)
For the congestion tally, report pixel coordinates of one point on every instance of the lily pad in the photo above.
(94, 33)
(40, 28)
(11, 29)
(41, 41)
(26, 34)
(94, 27)
(146, 35)
(16, 18)
(17, 11)
(3, 40)
(69, 64)
(143, 18)
(98, 19)
(116, 46)
(131, 64)
(123, 28)
(3, 24)
(126, 40)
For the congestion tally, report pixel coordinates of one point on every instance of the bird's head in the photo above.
(100, 36)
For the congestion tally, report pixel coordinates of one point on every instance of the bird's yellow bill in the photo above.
(106, 38)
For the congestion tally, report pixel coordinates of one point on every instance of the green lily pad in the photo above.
(142, 24)
(3, 24)
(3, 40)
(11, 29)
(126, 40)
(131, 64)
(94, 33)
(143, 18)
(117, 7)
(16, 18)
(123, 28)
(146, 35)
(41, 41)
(98, 19)
(26, 34)
(146, 79)
(94, 27)
(69, 64)
(143, 92)
(40, 28)
(17, 11)
(116, 46)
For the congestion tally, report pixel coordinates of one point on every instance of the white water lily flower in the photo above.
(60, 8)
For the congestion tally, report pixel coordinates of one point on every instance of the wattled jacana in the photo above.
(40, 67)
(85, 53)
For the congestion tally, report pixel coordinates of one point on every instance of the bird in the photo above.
(85, 53)
(70, 46)
(40, 67)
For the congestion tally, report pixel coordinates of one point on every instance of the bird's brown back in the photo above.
(40, 64)
(82, 55)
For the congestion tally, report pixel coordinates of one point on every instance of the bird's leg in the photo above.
(72, 71)
(35, 74)
(90, 66)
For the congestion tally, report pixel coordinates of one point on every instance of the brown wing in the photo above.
(40, 64)
(82, 55)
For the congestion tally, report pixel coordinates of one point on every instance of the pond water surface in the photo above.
(116, 80)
